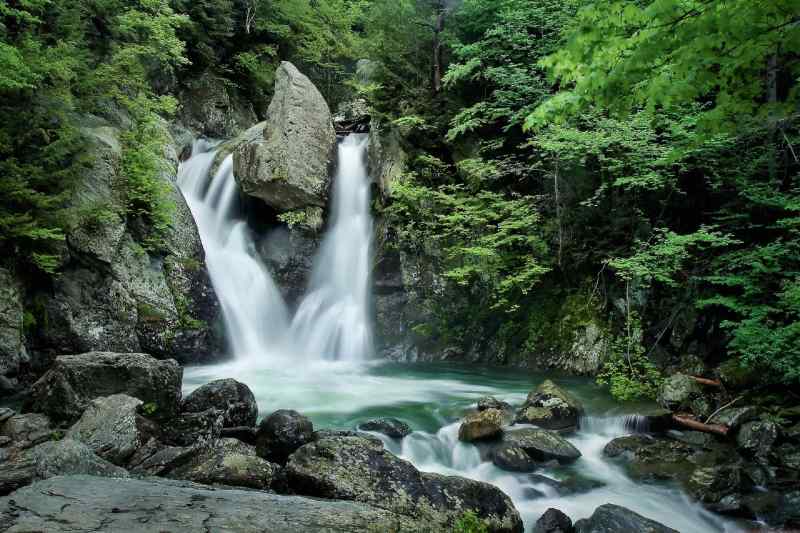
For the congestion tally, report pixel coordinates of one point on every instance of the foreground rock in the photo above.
(66, 389)
(551, 407)
(615, 519)
(360, 469)
(553, 521)
(391, 427)
(286, 164)
(233, 398)
(227, 462)
(83, 504)
(109, 428)
(50, 459)
(481, 425)
(24, 431)
(281, 433)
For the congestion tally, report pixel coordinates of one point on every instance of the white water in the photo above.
(332, 321)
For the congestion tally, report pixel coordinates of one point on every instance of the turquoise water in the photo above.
(433, 398)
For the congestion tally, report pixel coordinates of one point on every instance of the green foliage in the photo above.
(149, 408)
(663, 54)
(627, 371)
(470, 523)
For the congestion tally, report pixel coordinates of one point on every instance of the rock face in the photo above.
(114, 295)
(13, 355)
(75, 380)
(359, 469)
(678, 392)
(24, 431)
(108, 427)
(287, 165)
(391, 427)
(550, 407)
(52, 459)
(144, 506)
(614, 519)
(233, 398)
(212, 108)
(227, 462)
(281, 433)
(481, 425)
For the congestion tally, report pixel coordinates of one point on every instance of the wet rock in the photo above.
(490, 402)
(481, 425)
(615, 519)
(697, 439)
(550, 407)
(734, 417)
(109, 428)
(712, 484)
(570, 485)
(281, 433)
(648, 458)
(514, 459)
(13, 355)
(678, 392)
(75, 380)
(359, 469)
(227, 462)
(542, 444)
(756, 438)
(53, 458)
(391, 427)
(26, 430)
(553, 521)
(234, 399)
(287, 162)
(148, 505)
(194, 429)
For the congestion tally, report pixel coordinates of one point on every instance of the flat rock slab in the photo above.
(77, 504)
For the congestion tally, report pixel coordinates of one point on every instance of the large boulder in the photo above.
(227, 462)
(13, 355)
(481, 425)
(53, 458)
(550, 407)
(66, 389)
(360, 469)
(287, 162)
(147, 505)
(542, 444)
(233, 398)
(281, 433)
(610, 518)
(194, 429)
(755, 439)
(109, 428)
(647, 458)
(711, 484)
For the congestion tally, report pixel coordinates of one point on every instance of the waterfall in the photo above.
(332, 321)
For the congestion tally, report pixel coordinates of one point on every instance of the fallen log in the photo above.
(706, 381)
(695, 425)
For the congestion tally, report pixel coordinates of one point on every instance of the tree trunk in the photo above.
(437, 48)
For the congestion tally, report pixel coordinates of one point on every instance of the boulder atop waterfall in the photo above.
(550, 407)
(235, 399)
(66, 389)
(286, 161)
(359, 469)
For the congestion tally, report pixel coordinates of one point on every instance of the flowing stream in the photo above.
(317, 362)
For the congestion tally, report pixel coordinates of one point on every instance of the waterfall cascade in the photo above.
(332, 321)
